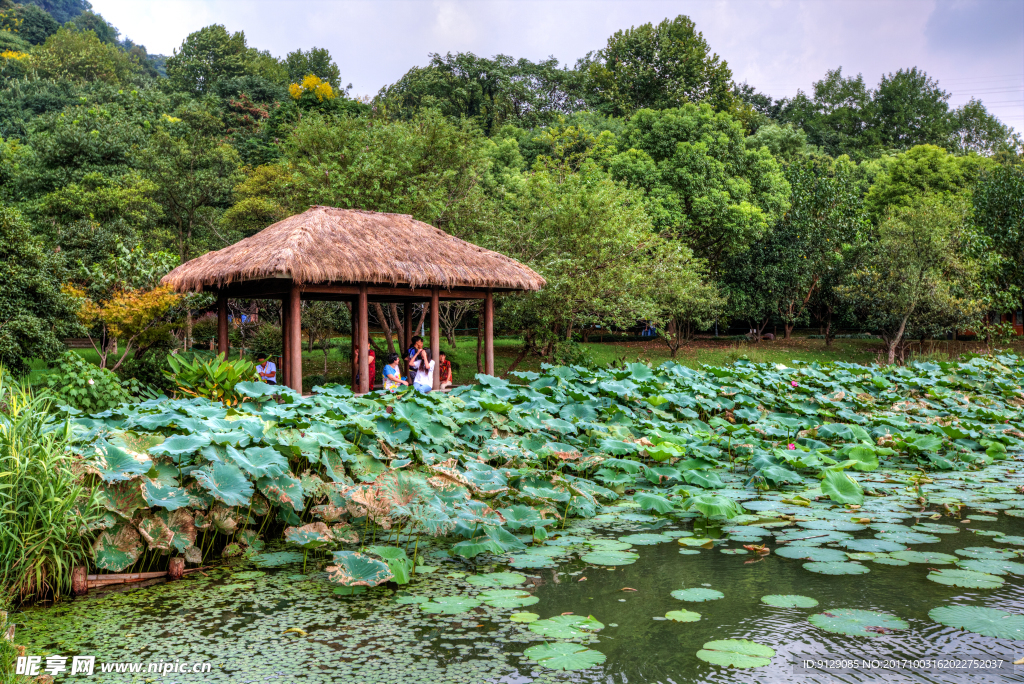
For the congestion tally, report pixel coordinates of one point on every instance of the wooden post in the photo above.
(176, 568)
(489, 333)
(354, 315)
(222, 324)
(295, 335)
(284, 376)
(365, 381)
(407, 342)
(435, 335)
(79, 581)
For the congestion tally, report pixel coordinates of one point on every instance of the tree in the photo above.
(914, 275)
(90, 21)
(61, 10)
(29, 23)
(686, 297)
(657, 67)
(922, 170)
(35, 315)
(908, 109)
(998, 202)
(81, 56)
(491, 92)
(316, 61)
(205, 57)
(803, 252)
(701, 181)
(322, 321)
(836, 116)
(194, 172)
(974, 130)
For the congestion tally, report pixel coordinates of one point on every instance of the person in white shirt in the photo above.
(267, 370)
(424, 380)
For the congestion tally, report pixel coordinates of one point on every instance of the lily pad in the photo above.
(697, 594)
(969, 579)
(682, 616)
(992, 566)
(908, 537)
(450, 605)
(986, 553)
(739, 653)
(508, 598)
(789, 601)
(871, 545)
(277, 559)
(610, 558)
(988, 622)
(524, 617)
(497, 579)
(356, 569)
(564, 656)
(644, 539)
(566, 626)
(836, 568)
(811, 553)
(857, 622)
(932, 557)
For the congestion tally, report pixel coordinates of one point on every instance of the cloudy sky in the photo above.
(973, 47)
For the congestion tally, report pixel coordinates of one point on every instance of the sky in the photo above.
(975, 48)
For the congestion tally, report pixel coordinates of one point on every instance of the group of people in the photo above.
(421, 367)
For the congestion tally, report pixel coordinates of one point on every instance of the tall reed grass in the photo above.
(44, 506)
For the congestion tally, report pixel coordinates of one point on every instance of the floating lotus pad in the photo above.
(994, 567)
(450, 605)
(609, 545)
(987, 622)
(935, 528)
(694, 541)
(836, 568)
(697, 594)
(736, 653)
(986, 553)
(566, 626)
(564, 656)
(871, 545)
(968, 579)
(857, 622)
(932, 557)
(497, 579)
(277, 559)
(811, 553)
(908, 537)
(524, 617)
(508, 598)
(682, 616)
(1010, 539)
(789, 601)
(645, 539)
(530, 562)
(610, 558)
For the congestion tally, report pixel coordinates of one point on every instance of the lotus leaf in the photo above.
(871, 545)
(164, 496)
(603, 557)
(836, 568)
(988, 622)
(811, 553)
(857, 622)
(682, 616)
(645, 539)
(224, 482)
(566, 626)
(738, 653)
(986, 553)
(969, 579)
(697, 594)
(116, 465)
(117, 548)
(841, 488)
(931, 557)
(497, 579)
(992, 566)
(508, 598)
(564, 656)
(524, 617)
(276, 559)
(789, 601)
(450, 605)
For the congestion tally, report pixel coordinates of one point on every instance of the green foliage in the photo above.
(90, 21)
(35, 315)
(29, 23)
(206, 57)
(999, 213)
(85, 386)
(316, 61)
(45, 510)
(213, 379)
(657, 67)
(82, 56)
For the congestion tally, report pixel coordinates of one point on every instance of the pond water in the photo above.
(236, 616)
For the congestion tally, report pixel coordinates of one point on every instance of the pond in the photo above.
(919, 572)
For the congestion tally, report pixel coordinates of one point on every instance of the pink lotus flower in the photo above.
(793, 383)
(792, 447)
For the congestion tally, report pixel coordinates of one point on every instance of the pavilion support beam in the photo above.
(295, 337)
(284, 376)
(354, 342)
(435, 336)
(406, 335)
(489, 333)
(222, 323)
(364, 342)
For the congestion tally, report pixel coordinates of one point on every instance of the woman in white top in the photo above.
(424, 380)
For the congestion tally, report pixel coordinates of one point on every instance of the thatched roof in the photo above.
(326, 244)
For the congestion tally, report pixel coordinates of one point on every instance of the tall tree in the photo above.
(909, 108)
(999, 213)
(316, 61)
(836, 116)
(207, 56)
(657, 67)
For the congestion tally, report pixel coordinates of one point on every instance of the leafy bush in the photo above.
(572, 353)
(204, 330)
(213, 379)
(44, 509)
(266, 340)
(92, 389)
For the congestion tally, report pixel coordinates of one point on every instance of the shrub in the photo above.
(204, 330)
(213, 379)
(86, 387)
(44, 509)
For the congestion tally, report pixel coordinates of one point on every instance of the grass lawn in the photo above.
(712, 351)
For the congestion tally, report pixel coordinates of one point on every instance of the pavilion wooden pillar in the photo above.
(222, 323)
(284, 376)
(295, 338)
(435, 335)
(365, 381)
(489, 333)
(407, 335)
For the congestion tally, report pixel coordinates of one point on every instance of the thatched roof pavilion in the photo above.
(357, 256)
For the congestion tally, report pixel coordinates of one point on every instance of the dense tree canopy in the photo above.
(642, 182)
